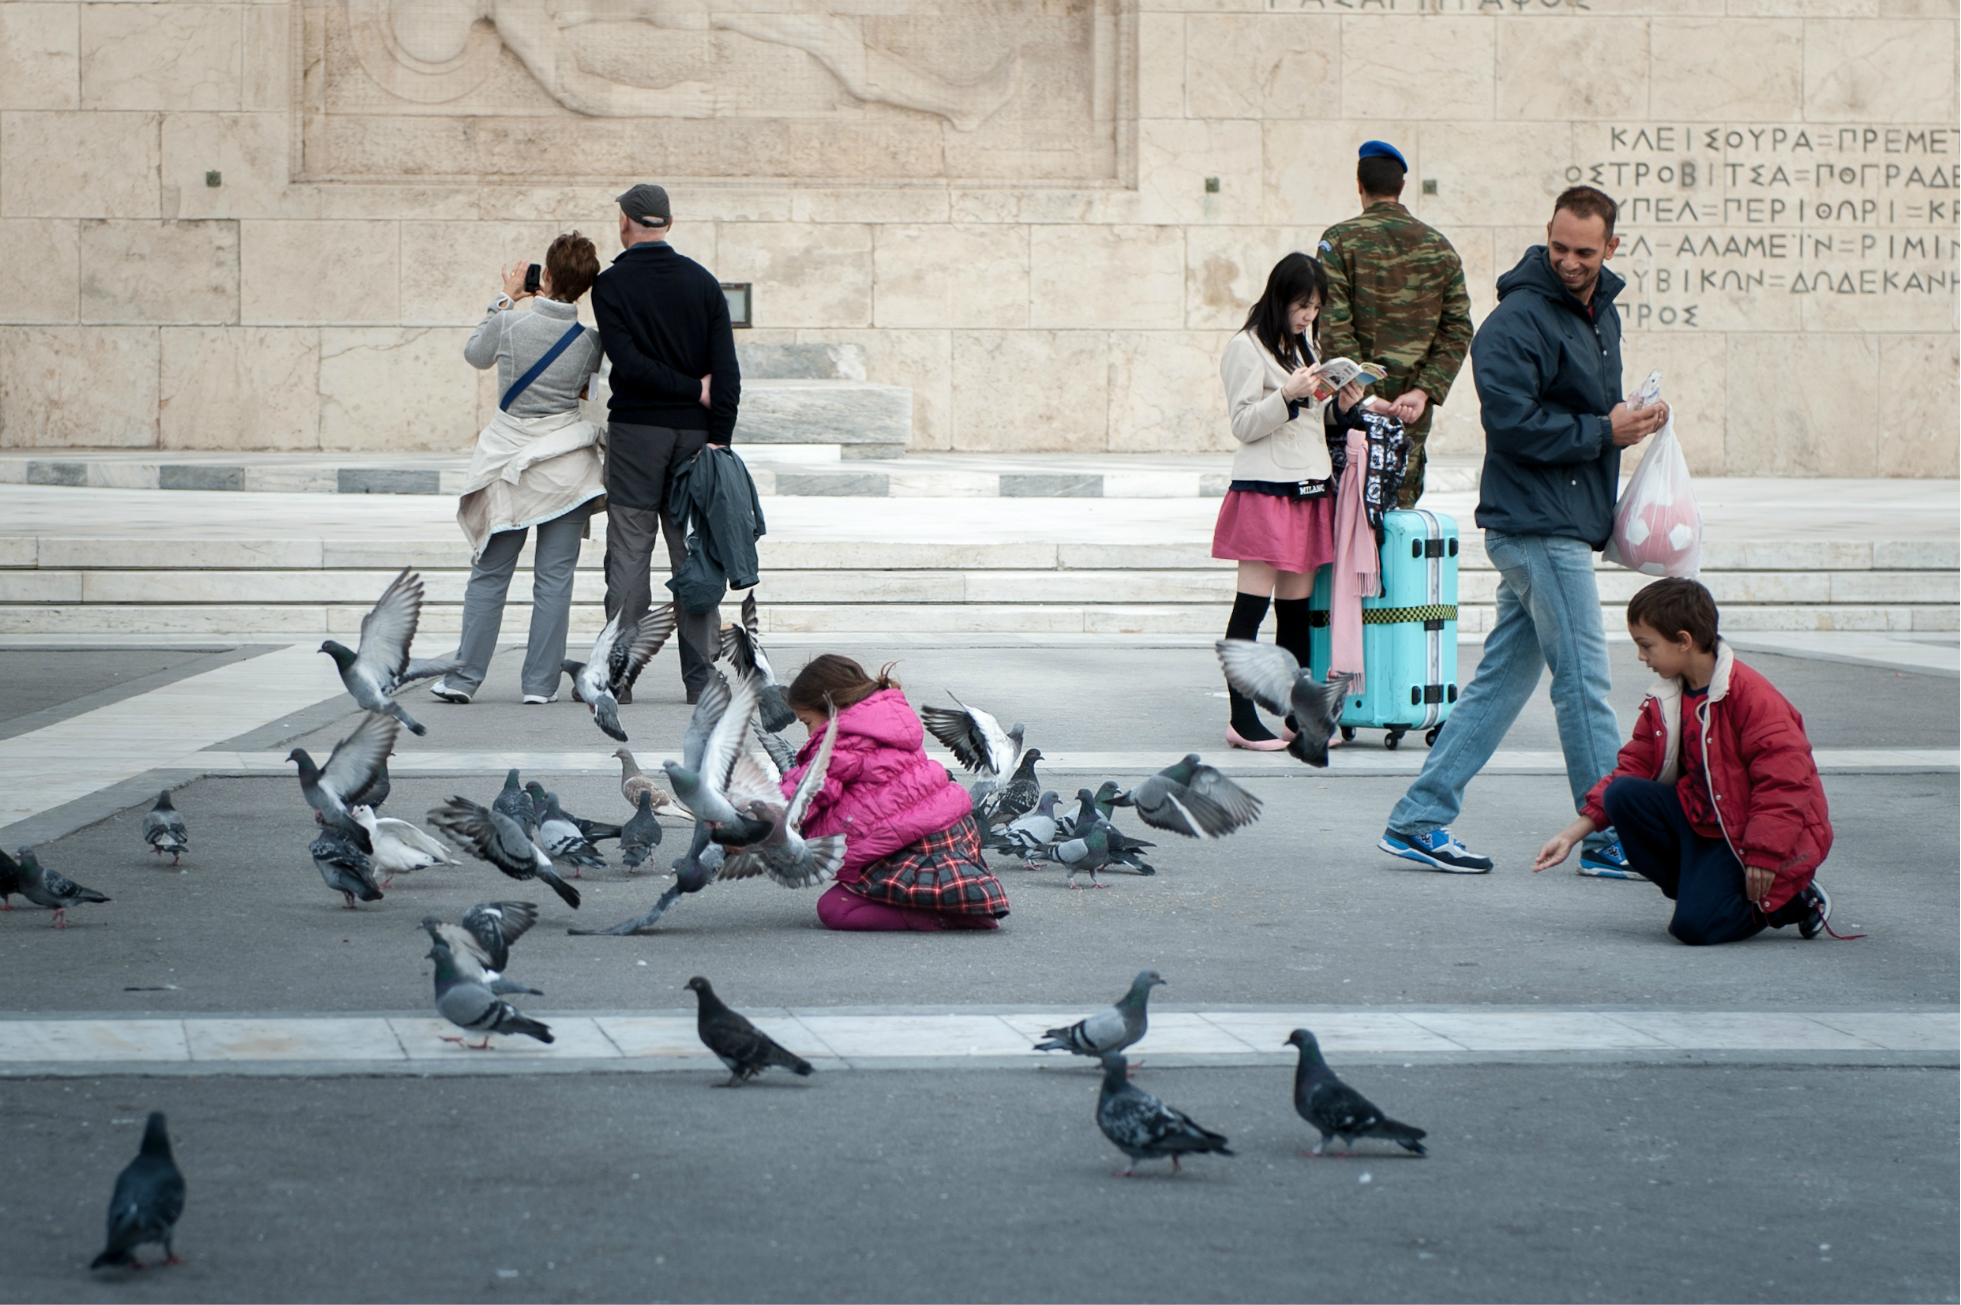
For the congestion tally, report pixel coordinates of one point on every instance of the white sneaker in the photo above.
(449, 693)
(538, 699)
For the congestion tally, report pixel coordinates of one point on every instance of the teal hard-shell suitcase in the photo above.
(1409, 631)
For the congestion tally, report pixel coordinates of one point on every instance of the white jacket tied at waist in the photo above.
(529, 470)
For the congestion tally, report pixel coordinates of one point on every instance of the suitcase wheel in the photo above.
(1392, 739)
(1348, 734)
(1430, 736)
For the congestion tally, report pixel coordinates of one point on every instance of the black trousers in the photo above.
(640, 463)
(1700, 875)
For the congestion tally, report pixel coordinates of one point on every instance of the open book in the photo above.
(1337, 372)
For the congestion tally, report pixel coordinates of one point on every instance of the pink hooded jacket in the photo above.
(882, 791)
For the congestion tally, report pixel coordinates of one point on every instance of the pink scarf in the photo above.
(1358, 567)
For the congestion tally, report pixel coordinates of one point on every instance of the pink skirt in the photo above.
(1288, 534)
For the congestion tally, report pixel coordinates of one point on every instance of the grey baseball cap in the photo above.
(647, 204)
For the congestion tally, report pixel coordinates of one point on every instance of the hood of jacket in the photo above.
(1534, 275)
(886, 718)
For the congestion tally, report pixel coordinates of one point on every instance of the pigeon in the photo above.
(562, 840)
(1089, 807)
(974, 737)
(1337, 1109)
(383, 665)
(1090, 852)
(515, 802)
(1193, 799)
(473, 1007)
(742, 648)
(490, 835)
(699, 867)
(377, 790)
(634, 782)
(618, 655)
(1143, 1127)
(10, 877)
(1268, 674)
(737, 1043)
(782, 757)
(399, 847)
(1032, 832)
(147, 1202)
(783, 853)
(350, 768)
(344, 866)
(642, 834)
(591, 830)
(164, 831)
(1111, 1029)
(472, 964)
(51, 888)
(496, 925)
(1015, 798)
(1125, 850)
(710, 746)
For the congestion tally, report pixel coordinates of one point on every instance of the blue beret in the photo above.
(1382, 149)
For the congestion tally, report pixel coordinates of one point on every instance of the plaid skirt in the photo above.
(941, 872)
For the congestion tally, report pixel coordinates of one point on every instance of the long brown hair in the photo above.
(837, 677)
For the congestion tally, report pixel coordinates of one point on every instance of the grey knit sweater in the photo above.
(513, 340)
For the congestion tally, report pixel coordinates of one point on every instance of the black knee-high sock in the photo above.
(1290, 622)
(1248, 610)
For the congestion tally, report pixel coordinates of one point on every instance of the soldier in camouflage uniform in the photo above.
(1395, 298)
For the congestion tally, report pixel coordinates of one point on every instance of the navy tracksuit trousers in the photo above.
(1700, 875)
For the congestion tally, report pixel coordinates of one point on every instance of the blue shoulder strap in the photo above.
(538, 368)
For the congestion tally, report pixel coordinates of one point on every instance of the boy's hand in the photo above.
(1757, 882)
(1561, 845)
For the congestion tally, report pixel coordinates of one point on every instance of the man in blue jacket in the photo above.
(1548, 367)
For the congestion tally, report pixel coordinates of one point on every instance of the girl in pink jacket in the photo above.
(912, 857)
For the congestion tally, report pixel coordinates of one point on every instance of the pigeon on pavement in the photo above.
(147, 1202)
(1268, 674)
(400, 848)
(1089, 807)
(744, 1048)
(1337, 1109)
(1015, 798)
(490, 835)
(634, 782)
(742, 648)
(383, 666)
(515, 803)
(699, 867)
(563, 840)
(784, 854)
(344, 866)
(350, 768)
(1143, 1127)
(10, 877)
(641, 834)
(591, 830)
(473, 1007)
(1193, 799)
(618, 655)
(715, 737)
(472, 965)
(975, 737)
(51, 888)
(1090, 852)
(1031, 833)
(164, 831)
(1111, 1029)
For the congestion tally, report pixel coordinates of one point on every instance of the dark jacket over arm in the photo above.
(664, 322)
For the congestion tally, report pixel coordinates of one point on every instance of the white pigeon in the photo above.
(399, 847)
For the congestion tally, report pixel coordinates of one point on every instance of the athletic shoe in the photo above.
(449, 692)
(1437, 849)
(1820, 903)
(1607, 861)
(538, 699)
(1235, 739)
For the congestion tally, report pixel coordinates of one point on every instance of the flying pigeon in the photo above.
(697, 868)
(496, 925)
(1337, 1109)
(1032, 832)
(1111, 1029)
(344, 866)
(163, 829)
(1015, 798)
(490, 835)
(642, 834)
(974, 737)
(472, 965)
(1143, 1127)
(1090, 852)
(742, 648)
(147, 1202)
(618, 655)
(562, 840)
(1193, 799)
(737, 1043)
(51, 888)
(777, 750)
(399, 847)
(714, 739)
(634, 782)
(473, 1007)
(1268, 674)
(783, 853)
(350, 768)
(10, 877)
(383, 665)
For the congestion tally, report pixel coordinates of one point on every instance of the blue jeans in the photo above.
(1548, 615)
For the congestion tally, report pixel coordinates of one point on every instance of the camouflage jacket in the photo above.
(1396, 298)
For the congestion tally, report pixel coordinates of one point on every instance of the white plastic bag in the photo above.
(1657, 525)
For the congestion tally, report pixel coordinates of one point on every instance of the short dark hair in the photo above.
(574, 264)
(1380, 175)
(1295, 279)
(1675, 607)
(837, 680)
(1585, 201)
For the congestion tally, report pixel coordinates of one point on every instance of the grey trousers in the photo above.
(552, 570)
(632, 531)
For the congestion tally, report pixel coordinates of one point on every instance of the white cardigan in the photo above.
(1271, 445)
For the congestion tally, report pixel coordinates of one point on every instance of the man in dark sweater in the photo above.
(1548, 367)
(664, 323)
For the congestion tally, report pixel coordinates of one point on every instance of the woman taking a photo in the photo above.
(1278, 518)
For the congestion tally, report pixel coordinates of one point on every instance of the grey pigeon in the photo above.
(783, 853)
(592, 830)
(147, 1202)
(563, 840)
(382, 666)
(344, 866)
(496, 925)
(490, 835)
(975, 737)
(694, 870)
(775, 747)
(51, 888)
(1268, 674)
(1090, 852)
(1032, 832)
(1143, 1127)
(1111, 1029)
(1088, 807)
(1338, 1110)
(1125, 850)
(350, 768)
(634, 782)
(473, 1007)
(742, 648)
(618, 655)
(1015, 798)
(399, 847)
(738, 1044)
(10, 878)
(472, 963)
(714, 738)
(1191, 798)
(514, 802)
(642, 834)
(164, 831)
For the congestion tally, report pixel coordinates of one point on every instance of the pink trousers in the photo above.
(840, 908)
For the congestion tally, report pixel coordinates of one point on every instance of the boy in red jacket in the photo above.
(1716, 798)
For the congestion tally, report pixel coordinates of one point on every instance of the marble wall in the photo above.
(271, 223)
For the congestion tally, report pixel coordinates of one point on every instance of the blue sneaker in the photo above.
(1437, 849)
(1606, 862)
